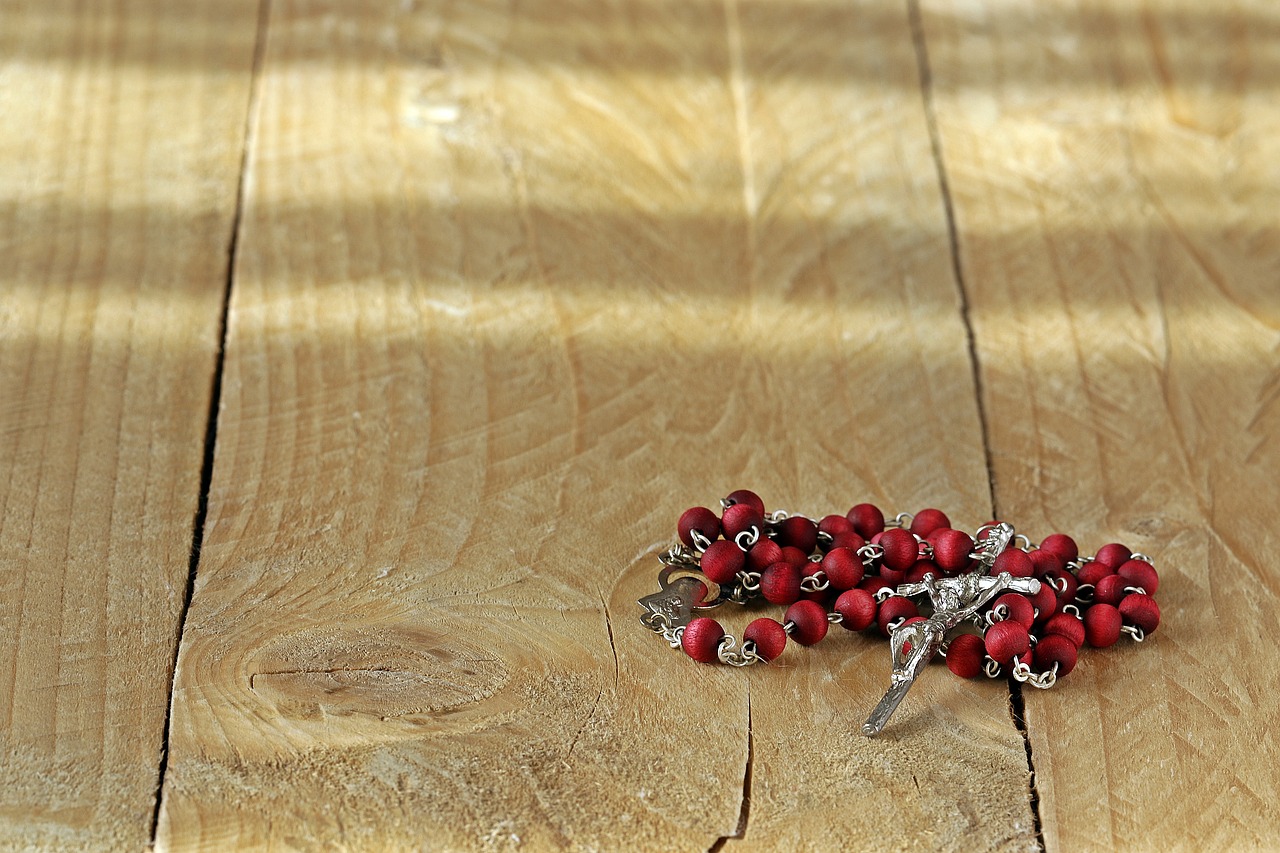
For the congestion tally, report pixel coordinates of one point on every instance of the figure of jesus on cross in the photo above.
(954, 600)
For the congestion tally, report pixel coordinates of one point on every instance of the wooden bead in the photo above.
(850, 540)
(867, 520)
(1110, 590)
(701, 519)
(1005, 641)
(1141, 610)
(835, 524)
(1063, 583)
(1140, 573)
(894, 608)
(1062, 545)
(965, 655)
(858, 609)
(844, 569)
(780, 583)
(1102, 625)
(900, 549)
(768, 635)
(797, 532)
(794, 556)
(951, 549)
(1045, 561)
(926, 521)
(740, 518)
(701, 639)
(749, 498)
(810, 622)
(892, 577)
(1045, 602)
(722, 561)
(1055, 648)
(1093, 571)
(763, 554)
(1015, 562)
(922, 568)
(1018, 607)
(875, 583)
(1114, 555)
(1067, 626)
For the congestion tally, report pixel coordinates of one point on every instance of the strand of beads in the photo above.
(845, 569)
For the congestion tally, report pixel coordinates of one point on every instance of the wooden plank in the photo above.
(1114, 169)
(515, 287)
(119, 163)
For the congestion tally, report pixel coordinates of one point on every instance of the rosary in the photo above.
(992, 603)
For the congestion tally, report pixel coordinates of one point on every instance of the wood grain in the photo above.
(517, 284)
(1114, 175)
(119, 162)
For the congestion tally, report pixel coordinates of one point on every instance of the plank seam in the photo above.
(1017, 708)
(957, 269)
(744, 812)
(215, 400)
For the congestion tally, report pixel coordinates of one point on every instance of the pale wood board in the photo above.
(1115, 172)
(516, 285)
(119, 161)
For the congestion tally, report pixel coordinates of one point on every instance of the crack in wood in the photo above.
(215, 399)
(744, 810)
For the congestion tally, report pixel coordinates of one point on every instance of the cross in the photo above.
(954, 600)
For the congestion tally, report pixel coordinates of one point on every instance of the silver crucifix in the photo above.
(954, 600)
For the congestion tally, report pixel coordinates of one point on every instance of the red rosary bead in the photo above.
(835, 524)
(894, 608)
(850, 540)
(1114, 555)
(951, 549)
(1066, 625)
(768, 635)
(797, 532)
(810, 622)
(900, 549)
(965, 655)
(740, 518)
(1018, 607)
(1006, 640)
(763, 554)
(1063, 583)
(1093, 571)
(1140, 573)
(892, 577)
(1062, 545)
(926, 521)
(1110, 590)
(1045, 602)
(867, 520)
(722, 561)
(701, 519)
(844, 569)
(857, 609)
(747, 497)
(1141, 610)
(917, 573)
(1045, 562)
(794, 556)
(1058, 649)
(780, 583)
(1015, 562)
(1102, 625)
(701, 639)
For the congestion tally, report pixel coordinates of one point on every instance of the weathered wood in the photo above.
(516, 285)
(1115, 180)
(119, 161)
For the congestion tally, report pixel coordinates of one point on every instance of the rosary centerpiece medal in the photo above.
(991, 604)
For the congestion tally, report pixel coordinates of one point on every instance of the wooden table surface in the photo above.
(357, 358)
